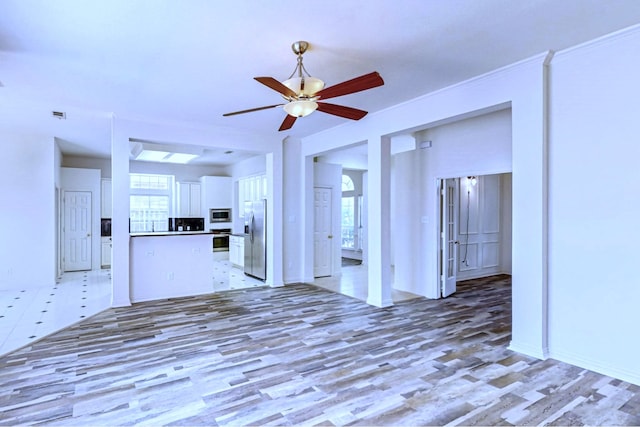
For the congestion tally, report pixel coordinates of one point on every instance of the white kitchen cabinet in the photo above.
(263, 187)
(189, 200)
(242, 190)
(236, 250)
(250, 189)
(105, 198)
(105, 253)
(217, 193)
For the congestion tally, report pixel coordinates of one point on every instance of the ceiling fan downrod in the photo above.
(299, 48)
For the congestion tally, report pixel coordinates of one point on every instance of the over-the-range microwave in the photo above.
(220, 215)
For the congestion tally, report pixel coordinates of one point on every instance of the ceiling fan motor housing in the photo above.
(299, 47)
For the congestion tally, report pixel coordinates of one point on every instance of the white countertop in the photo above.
(168, 233)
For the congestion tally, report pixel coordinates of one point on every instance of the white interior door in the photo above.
(77, 230)
(322, 232)
(448, 233)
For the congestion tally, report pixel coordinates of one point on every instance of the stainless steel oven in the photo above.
(221, 239)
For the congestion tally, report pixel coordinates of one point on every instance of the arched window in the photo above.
(347, 183)
(348, 213)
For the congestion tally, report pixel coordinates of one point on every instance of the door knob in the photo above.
(330, 236)
(88, 234)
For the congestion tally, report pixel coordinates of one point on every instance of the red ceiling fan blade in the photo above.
(251, 110)
(358, 84)
(341, 110)
(287, 123)
(277, 86)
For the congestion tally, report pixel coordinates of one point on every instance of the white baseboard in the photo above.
(597, 366)
(121, 303)
(380, 303)
(530, 350)
(275, 284)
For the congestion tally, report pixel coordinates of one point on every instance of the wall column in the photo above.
(530, 226)
(274, 218)
(120, 295)
(379, 222)
(307, 210)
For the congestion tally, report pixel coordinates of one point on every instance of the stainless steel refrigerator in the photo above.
(255, 239)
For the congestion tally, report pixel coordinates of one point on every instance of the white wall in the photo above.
(57, 172)
(594, 210)
(408, 189)
(347, 158)
(88, 163)
(78, 179)
(330, 175)
(251, 166)
(27, 214)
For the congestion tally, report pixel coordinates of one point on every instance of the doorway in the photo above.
(322, 232)
(77, 230)
(475, 229)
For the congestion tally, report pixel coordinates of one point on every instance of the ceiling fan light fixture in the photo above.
(304, 86)
(300, 108)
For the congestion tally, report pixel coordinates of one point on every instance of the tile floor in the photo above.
(29, 314)
(227, 276)
(353, 283)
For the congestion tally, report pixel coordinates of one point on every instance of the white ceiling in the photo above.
(193, 60)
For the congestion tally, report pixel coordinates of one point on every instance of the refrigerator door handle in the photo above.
(251, 226)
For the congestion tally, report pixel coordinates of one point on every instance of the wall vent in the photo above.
(59, 114)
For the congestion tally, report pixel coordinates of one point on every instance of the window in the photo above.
(347, 183)
(360, 242)
(150, 202)
(350, 215)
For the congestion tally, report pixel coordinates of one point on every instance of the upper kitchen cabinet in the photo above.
(250, 189)
(105, 198)
(189, 200)
(217, 192)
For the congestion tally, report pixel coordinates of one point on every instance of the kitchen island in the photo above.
(170, 264)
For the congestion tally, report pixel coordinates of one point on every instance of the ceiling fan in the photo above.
(305, 93)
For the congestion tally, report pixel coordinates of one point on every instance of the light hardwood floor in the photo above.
(302, 355)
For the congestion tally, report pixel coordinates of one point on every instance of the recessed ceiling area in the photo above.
(158, 152)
